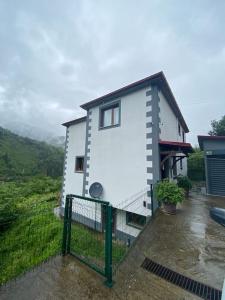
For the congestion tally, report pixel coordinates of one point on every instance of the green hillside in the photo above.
(20, 156)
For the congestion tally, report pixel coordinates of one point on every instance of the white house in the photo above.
(128, 140)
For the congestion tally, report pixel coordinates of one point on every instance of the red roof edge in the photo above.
(180, 144)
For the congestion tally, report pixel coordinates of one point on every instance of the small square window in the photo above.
(135, 220)
(79, 164)
(110, 116)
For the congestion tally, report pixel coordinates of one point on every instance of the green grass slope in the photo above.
(20, 156)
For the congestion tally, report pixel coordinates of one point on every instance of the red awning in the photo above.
(176, 146)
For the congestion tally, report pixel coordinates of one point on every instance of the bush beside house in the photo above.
(196, 167)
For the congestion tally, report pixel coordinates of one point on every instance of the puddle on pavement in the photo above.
(198, 228)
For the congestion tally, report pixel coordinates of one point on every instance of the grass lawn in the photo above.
(90, 245)
(32, 238)
(36, 235)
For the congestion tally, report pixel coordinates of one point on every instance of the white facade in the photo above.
(124, 159)
(168, 122)
(114, 151)
(169, 129)
(75, 146)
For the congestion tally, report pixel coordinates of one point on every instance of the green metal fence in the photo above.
(86, 228)
(87, 233)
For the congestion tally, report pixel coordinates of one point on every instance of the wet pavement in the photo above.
(189, 242)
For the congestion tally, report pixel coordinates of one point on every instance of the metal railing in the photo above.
(87, 233)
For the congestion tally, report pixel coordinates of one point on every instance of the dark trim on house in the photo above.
(155, 142)
(64, 165)
(123, 236)
(76, 121)
(87, 152)
(158, 79)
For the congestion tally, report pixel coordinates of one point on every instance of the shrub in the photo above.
(184, 182)
(8, 213)
(169, 192)
(196, 166)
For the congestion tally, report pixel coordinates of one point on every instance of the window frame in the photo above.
(105, 107)
(76, 159)
(133, 224)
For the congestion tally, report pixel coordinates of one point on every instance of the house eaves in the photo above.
(76, 121)
(158, 79)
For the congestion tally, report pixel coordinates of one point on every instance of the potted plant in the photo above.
(185, 183)
(169, 194)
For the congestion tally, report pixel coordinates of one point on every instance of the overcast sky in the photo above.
(56, 55)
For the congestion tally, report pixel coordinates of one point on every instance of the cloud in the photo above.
(57, 56)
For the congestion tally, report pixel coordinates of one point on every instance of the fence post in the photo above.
(152, 200)
(64, 241)
(108, 246)
(69, 224)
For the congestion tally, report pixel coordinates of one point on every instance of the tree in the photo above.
(218, 127)
(196, 167)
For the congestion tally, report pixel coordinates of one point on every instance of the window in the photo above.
(79, 164)
(135, 220)
(110, 116)
(179, 129)
(183, 134)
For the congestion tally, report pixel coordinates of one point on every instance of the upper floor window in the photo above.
(183, 135)
(110, 115)
(179, 129)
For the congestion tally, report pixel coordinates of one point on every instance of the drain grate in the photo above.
(199, 289)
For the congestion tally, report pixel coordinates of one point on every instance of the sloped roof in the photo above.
(75, 121)
(158, 79)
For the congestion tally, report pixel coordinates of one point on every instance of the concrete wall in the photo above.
(123, 227)
(117, 156)
(73, 182)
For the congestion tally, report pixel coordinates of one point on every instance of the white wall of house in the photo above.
(76, 147)
(169, 129)
(118, 155)
(169, 122)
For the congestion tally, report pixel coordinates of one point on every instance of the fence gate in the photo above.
(87, 233)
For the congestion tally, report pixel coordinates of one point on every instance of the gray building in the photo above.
(214, 155)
